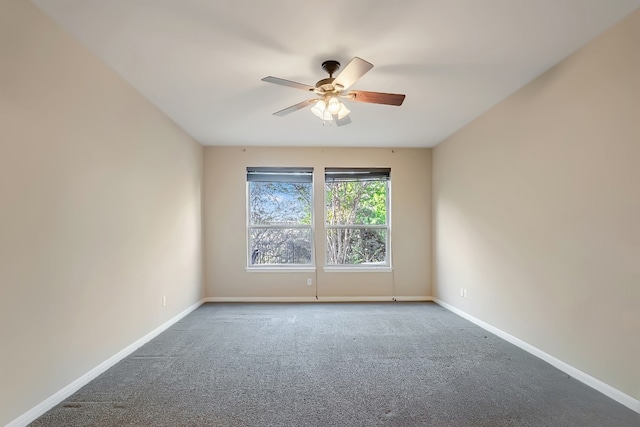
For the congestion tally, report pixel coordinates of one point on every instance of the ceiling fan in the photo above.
(327, 104)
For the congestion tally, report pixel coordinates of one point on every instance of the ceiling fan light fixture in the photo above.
(328, 108)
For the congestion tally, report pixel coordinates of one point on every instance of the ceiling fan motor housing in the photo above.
(325, 85)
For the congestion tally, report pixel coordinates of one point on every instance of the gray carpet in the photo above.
(363, 364)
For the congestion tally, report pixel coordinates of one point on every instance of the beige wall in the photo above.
(537, 209)
(100, 212)
(225, 223)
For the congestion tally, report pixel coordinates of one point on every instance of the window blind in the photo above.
(284, 174)
(356, 174)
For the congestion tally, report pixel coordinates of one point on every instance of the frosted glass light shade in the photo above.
(319, 108)
(333, 105)
(344, 111)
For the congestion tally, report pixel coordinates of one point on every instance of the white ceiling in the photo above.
(201, 61)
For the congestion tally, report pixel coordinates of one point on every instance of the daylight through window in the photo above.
(280, 216)
(357, 217)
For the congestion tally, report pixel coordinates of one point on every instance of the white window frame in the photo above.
(387, 266)
(309, 267)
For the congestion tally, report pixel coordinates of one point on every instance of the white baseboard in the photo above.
(606, 389)
(417, 299)
(260, 299)
(313, 299)
(39, 410)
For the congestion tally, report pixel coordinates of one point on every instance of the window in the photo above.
(280, 217)
(357, 218)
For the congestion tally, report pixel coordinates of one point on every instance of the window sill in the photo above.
(357, 269)
(278, 269)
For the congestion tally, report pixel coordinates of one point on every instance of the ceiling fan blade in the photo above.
(352, 72)
(342, 122)
(283, 82)
(376, 97)
(296, 107)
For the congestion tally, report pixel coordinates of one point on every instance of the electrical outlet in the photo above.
(309, 281)
(164, 300)
(465, 293)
